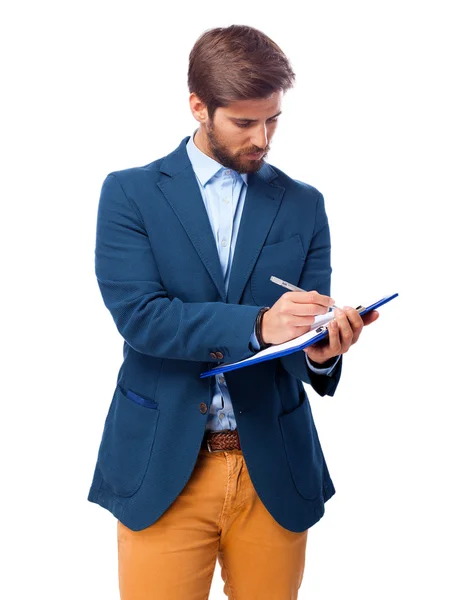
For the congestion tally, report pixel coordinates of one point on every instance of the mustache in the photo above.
(255, 151)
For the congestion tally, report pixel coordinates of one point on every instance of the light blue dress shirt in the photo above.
(223, 192)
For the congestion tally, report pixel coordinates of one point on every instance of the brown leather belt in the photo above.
(217, 441)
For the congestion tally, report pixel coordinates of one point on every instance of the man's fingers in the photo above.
(333, 336)
(345, 330)
(355, 321)
(311, 298)
(370, 317)
(307, 304)
(307, 310)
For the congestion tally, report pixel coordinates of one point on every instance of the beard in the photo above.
(237, 162)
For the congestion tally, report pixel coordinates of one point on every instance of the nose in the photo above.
(260, 137)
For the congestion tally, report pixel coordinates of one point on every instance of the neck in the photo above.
(201, 142)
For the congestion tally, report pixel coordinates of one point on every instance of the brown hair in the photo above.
(233, 63)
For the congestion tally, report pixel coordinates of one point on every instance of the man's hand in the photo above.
(343, 331)
(292, 315)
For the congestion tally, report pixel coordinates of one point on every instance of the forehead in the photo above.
(258, 108)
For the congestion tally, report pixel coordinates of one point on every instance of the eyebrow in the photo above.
(252, 120)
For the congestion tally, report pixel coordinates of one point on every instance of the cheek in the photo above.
(238, 141)
(234, 138)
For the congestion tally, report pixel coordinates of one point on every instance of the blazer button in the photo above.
(219, 355)
(213, 355)
(203, 408)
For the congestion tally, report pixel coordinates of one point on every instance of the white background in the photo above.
(379, 122)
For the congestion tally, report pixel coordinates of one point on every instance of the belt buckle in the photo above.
(208, 443)
(210, 449)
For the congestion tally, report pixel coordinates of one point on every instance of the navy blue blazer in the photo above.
(159, 274)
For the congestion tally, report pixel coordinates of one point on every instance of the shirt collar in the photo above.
(204, 166)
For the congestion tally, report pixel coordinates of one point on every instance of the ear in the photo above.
(198, 108)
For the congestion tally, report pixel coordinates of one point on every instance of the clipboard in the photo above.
(299, 343)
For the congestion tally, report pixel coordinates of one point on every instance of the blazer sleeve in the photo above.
(316, 275)
(131, 287)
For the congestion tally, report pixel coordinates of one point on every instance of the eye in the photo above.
(242, 125)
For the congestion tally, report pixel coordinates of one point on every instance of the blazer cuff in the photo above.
(320, 370)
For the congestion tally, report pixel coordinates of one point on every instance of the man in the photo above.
(230, 466)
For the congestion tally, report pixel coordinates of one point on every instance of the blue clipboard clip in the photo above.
(322, 332)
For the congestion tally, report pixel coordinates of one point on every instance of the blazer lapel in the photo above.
(262, 203)
(182, 192)
(261, 207)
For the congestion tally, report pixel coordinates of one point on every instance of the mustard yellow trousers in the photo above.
(218, 515)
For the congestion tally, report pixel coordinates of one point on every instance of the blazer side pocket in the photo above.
(303, 450)
(127, 442)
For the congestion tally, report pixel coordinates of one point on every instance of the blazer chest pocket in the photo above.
(127, 441)
(284, 260)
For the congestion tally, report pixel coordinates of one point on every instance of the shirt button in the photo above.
(226, 200)
(221, 379)
(227, 172)
(224, 243)
(221, 416)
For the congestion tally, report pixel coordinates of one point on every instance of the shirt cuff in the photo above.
(318, 371)
(254, 341)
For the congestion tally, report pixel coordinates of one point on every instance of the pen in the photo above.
(289, 286)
